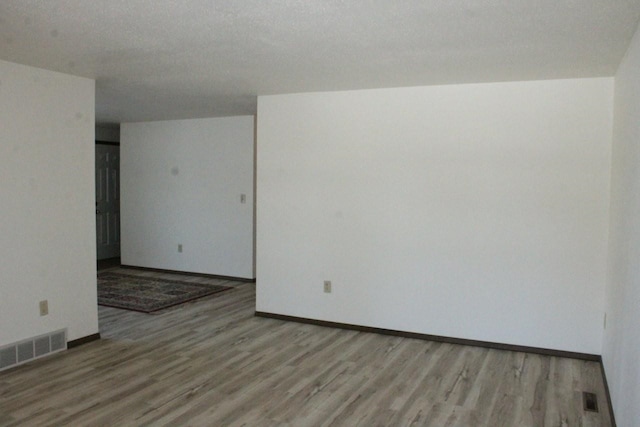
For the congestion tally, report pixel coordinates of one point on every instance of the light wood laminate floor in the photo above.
(212, 363)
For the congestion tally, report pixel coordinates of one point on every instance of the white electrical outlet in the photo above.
(44, 308)
(180, 248)
(327, 286)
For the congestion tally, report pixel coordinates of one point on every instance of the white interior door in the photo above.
(108, 201)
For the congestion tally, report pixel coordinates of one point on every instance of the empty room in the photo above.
(306, 213)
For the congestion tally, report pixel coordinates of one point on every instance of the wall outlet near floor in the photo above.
(180, 248)
(327, 286)
(44, 308)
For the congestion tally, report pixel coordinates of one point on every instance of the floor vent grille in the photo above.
(33, 348)
(589, 401)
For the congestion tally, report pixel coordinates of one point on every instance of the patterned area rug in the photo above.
(148, 294)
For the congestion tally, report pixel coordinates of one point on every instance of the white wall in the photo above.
(621, 350)
(47, 220)
(181, 183)
(470, 211)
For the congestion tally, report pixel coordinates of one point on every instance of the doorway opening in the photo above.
(107, 203)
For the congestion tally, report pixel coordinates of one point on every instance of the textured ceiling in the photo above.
(170, 59)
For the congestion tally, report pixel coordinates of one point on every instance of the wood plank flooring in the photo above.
(211, 362)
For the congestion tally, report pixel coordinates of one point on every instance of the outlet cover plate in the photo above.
(327, 286)
(44, 308)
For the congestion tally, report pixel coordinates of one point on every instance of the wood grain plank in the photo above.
(212, 362)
